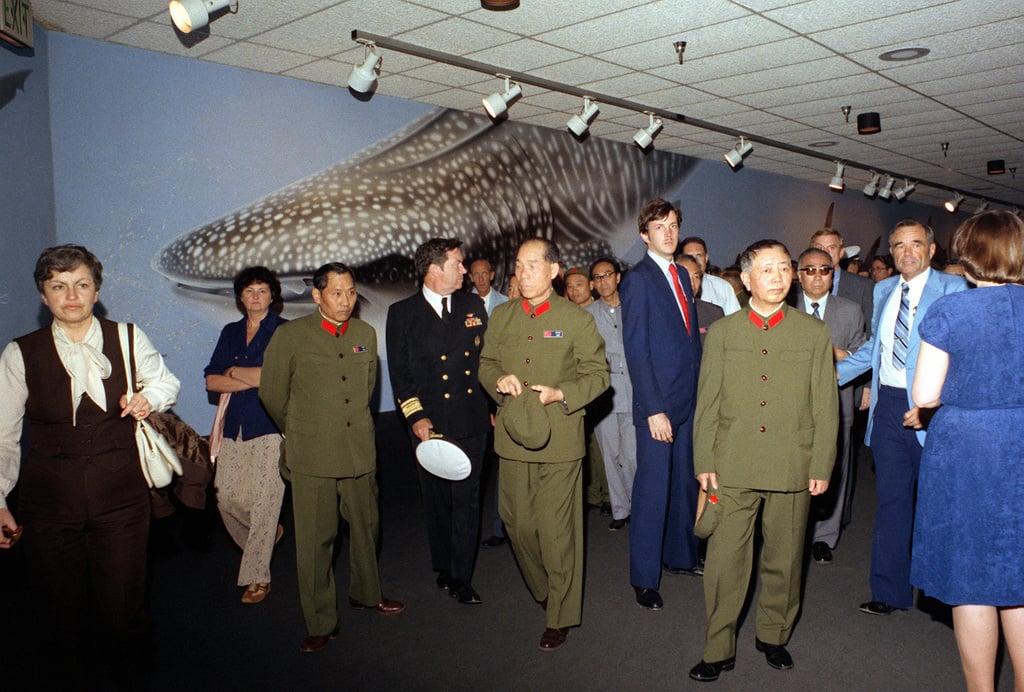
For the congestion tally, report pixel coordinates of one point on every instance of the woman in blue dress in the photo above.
(969, 527)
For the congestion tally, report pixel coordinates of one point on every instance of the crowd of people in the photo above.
(660, 394)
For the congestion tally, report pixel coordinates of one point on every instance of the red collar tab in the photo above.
(765, 324)
(335, 329)
(536, 311)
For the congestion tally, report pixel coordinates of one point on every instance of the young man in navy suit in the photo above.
(662, 342)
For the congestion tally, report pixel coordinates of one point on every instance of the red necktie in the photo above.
(680, 296)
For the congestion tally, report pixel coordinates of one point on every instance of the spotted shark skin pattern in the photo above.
(449, 173)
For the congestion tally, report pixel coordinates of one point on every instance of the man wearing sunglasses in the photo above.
(846, 325)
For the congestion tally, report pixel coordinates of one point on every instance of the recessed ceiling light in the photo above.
(902, 54)
(824, 143)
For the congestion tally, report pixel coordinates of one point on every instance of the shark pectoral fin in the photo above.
(294, 285)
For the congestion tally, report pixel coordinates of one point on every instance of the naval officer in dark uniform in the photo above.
(543, 361)
(434, 339)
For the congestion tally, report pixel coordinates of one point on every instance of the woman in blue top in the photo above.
(248, 481)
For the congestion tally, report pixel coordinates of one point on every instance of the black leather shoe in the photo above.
(618, 524)
(776, 655)
(444, 581)
(709, 672)
(648, 598)
(553, 638)
(316, 643)
(464, 593)
(494, 542)
(606, 509)
(695, 571)
(876, 608)
(821, 553)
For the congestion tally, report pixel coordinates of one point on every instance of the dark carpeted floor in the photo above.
(207, 640)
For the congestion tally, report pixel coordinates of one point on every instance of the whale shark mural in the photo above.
(449, 173)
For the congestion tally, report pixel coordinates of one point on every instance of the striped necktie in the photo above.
(901, 334)
(816, 313)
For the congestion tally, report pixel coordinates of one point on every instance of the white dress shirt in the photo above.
(715, 289)
(887, 372)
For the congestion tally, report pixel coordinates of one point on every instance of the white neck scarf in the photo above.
(85, 364)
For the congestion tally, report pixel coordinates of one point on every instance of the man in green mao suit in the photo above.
(543, 361)
(318, 377)
(764, 437)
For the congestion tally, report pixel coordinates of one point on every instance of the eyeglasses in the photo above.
(814, 271)
(602, 277)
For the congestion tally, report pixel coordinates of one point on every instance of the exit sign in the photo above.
(16, 23)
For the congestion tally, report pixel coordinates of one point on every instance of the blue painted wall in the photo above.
(26, 185)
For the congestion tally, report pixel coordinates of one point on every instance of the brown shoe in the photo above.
(255, 593)
(553, 638)
(316, 643)
(385, 607)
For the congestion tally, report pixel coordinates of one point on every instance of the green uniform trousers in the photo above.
(729, 563)
(542, 507)
(316, 502)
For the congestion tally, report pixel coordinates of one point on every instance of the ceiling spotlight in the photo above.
(945, 148)
(846, 112)
(954, 204)
(189, 15)
(837, 183)
(886, 191)
(869, 123)
(982, 206)
(497, 104)
(907, 188)
(734, 157)
(996, 167)
(364, 77)
(680, 47)
(872, 187)
(580, 123)
(644, 137)
(499, 5)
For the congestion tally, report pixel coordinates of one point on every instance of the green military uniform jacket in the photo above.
(558, 346)
(317, 387)
(767, 408)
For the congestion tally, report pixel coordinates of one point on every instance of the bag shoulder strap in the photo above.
(126, 335)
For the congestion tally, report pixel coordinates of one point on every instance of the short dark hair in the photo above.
(693, 239)
(654, 210)
(811, 251)
(929, 234)
(747, 256)
(65, 258)
(253, 275)
(684, 257)
(434, 251)
(616, 267)
(551, 252)
(320, 275)
(886, 260)
(990, 246)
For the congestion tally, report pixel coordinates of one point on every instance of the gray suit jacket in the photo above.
(860, 290)
(846, 325)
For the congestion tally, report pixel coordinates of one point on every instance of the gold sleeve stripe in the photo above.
(411, 406)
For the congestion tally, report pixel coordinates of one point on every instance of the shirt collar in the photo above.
(332, 327)
(822, 302)
(765, 323)
(536, 311)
